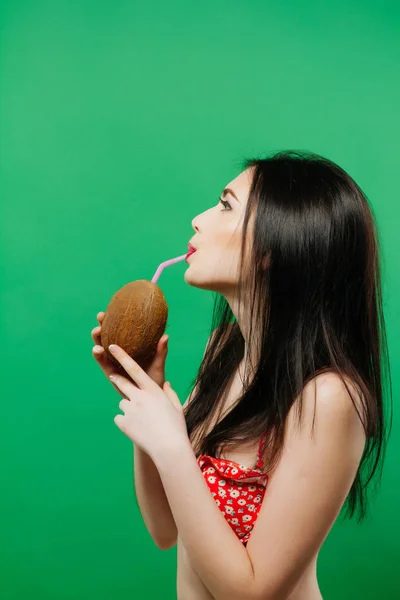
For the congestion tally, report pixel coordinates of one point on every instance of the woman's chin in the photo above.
(189, 279)
(194, 281)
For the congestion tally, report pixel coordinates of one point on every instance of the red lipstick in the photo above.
(191, 249)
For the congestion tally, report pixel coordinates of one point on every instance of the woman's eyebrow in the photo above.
(229, 191)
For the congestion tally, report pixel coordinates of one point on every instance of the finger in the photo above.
(119, 420)
(172, 395)
(161, 352)
(101, 357)
(96, 337)
(100, 317)
(124, 405)
(163, 343)
(123, 384)
(104, 363)
(106, 366)
(140, 377)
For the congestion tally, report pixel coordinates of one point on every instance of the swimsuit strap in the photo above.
(259, 463)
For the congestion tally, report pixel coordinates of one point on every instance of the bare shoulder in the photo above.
(335, 393)
(332, 401)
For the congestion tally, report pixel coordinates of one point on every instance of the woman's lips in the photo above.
(190, 253)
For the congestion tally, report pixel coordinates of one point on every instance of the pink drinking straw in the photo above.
(166, 263)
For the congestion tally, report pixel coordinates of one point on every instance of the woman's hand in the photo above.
(155, 370)
(153, 417)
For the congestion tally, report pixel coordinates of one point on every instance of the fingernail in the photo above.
(97, 349)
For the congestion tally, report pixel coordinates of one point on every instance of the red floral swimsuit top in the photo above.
(238, 491)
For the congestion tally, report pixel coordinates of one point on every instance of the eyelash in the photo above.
(225, 204)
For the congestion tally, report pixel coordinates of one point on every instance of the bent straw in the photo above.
(166, 263)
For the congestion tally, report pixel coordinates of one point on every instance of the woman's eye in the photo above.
(225, 204)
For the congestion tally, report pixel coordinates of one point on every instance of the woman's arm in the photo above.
(302, 500)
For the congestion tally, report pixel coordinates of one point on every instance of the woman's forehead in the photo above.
(241, 185)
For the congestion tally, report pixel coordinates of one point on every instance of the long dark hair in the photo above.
(313, 290)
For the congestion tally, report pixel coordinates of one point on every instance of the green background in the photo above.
(120, 122)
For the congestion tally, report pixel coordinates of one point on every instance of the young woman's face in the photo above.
(215, 264)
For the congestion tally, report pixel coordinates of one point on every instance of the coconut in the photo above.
(135, 320)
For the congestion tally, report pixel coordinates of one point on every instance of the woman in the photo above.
(292, 251)
(286, 418)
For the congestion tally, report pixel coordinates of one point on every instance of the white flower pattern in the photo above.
(237, 490)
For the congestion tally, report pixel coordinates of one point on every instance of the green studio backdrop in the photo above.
(120, 122)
